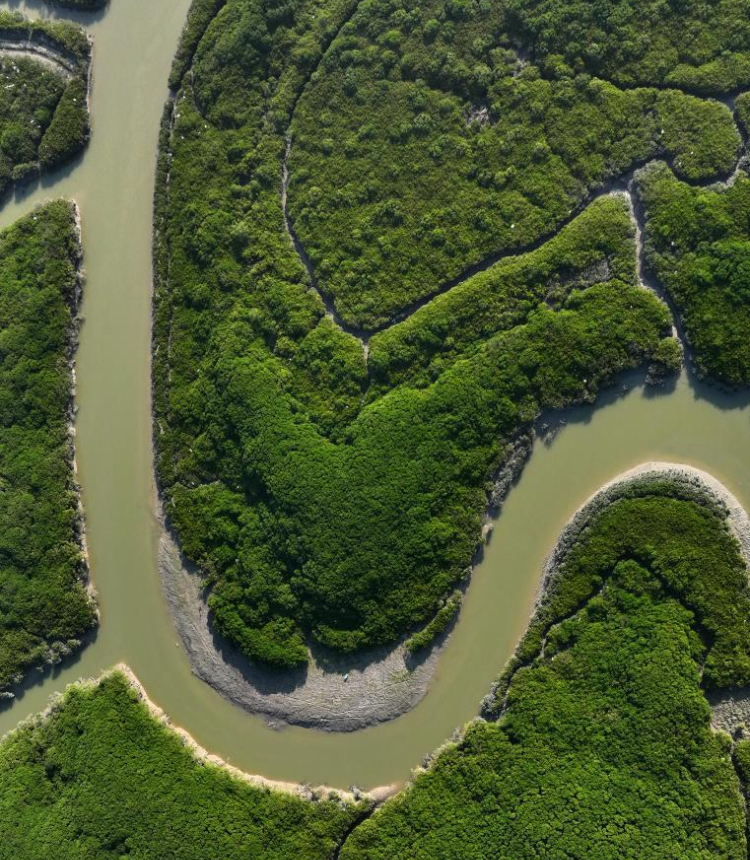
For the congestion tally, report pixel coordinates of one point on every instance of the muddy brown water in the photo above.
(113, 183)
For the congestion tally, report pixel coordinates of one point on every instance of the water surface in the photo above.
(113, 183)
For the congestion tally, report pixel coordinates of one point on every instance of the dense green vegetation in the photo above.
(697, 45)
(698, 244)
(324, 495)
(439, 624)
(44, 608)
(597, 246)
(103, 779)
(604, 748)
(422, 145)
(44, 117)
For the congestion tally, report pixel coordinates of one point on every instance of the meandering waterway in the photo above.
(113, 183)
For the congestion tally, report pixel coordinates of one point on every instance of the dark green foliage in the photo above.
(44, 117)
(202, 12)
(322, 497)
(102, 779)
(604, 750)
(698, 244)
(42, 599)
(742, 112)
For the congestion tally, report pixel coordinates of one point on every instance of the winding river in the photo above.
(113, 183)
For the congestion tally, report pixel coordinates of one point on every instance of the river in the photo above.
(113, 183)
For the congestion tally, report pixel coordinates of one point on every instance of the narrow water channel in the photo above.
(113, 183)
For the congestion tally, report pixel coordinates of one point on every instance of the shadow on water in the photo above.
(552, 421)
(264, 680)
(20, 191)
(40, 675)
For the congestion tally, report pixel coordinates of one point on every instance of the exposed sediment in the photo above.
(40, 54)
(335, 692)
(306, 792)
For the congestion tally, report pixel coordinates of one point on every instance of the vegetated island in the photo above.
(597, 743)
(46, 607)
(363, 294)
(602, 745)
(45, 70)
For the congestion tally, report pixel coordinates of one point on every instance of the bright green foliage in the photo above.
(604, 750)
(691, 44)
(741, 755)
(698, 243)
(597, 246)
(42, 600)
(44, 118)
(443, 617)
(702, 139)
(422, 145)
(320, 496)
(102, 779)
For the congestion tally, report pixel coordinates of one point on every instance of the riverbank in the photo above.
(74, 340)
(307, 792)
(335, 692)
(686, 482)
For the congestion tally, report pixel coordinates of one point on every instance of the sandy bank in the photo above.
(695, 482)
(306, 792)
(334, 692)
